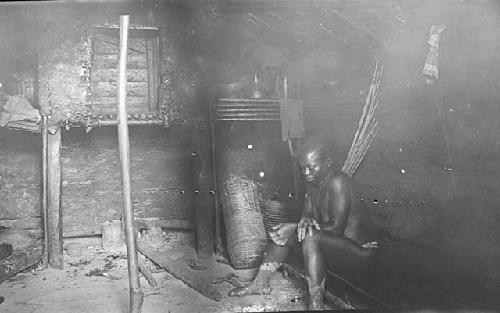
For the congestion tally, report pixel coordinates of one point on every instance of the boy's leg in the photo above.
(323, 247)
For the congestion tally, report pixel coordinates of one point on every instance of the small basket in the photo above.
(275, 212)
(246, 235)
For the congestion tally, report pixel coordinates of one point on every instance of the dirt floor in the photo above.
(81, 287)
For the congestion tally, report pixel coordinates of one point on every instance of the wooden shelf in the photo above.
(144, 118)
(249, 100)
(98, 123)
(231, 109)
(248, 110)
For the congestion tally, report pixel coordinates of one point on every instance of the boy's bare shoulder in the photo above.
(339, 180)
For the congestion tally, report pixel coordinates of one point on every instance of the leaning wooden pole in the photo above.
(136, 295)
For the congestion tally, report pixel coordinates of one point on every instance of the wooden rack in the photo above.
(247, 110)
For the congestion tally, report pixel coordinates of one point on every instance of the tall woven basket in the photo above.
(246, 235)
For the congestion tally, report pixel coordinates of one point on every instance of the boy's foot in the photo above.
(252, 289)
(316, 293)
(260, 285)
(315, 303)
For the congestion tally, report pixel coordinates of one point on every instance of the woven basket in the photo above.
(246, 236)
(275, 212)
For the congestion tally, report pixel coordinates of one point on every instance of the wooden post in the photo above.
(54, 214)
(44, 195)
(204, 202)
(292, 149)
(136, 295)
(218, 233)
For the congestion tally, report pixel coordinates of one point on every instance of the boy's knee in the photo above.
(310, 242)
(368, 253)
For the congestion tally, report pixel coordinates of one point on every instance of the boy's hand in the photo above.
(282, 232)
(306, 225)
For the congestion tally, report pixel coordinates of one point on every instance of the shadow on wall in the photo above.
(435, 157)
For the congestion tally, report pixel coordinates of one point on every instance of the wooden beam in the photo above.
(204, 202)
(239, 6)
(217, 213)
(179, 271)
(145, 271)
(19, 261)
(54, 216)
(166, 223)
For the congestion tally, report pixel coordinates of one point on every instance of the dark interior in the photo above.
(430, 179)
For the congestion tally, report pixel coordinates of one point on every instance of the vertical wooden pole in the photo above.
(44, 195)
(285, 88)
(136, 295)
(204, 202)
(54, 212)
(218, 233)
(291, 149)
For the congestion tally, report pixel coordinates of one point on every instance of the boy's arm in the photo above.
(307, 222)
(307, 209)
(339, 191)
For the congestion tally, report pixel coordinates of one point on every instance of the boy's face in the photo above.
(312, 166)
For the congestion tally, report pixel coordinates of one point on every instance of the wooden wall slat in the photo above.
(110, 75)
(111, 62)
(110, 109)
(111, 101)
(107, 89)
(142, 74)
(31, 223)
(108, 45)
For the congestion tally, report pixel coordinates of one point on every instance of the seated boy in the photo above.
(331, 232)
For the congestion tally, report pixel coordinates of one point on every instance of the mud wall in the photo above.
(65, 51)
(20, 181)
(161, 176)
(434, 160)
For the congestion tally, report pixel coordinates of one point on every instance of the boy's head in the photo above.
(315, 156)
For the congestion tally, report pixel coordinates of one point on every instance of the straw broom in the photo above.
(367, 127)
(363, 139)
(358, 157)
(364, 149)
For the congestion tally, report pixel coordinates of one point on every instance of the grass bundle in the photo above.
(367, 127)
